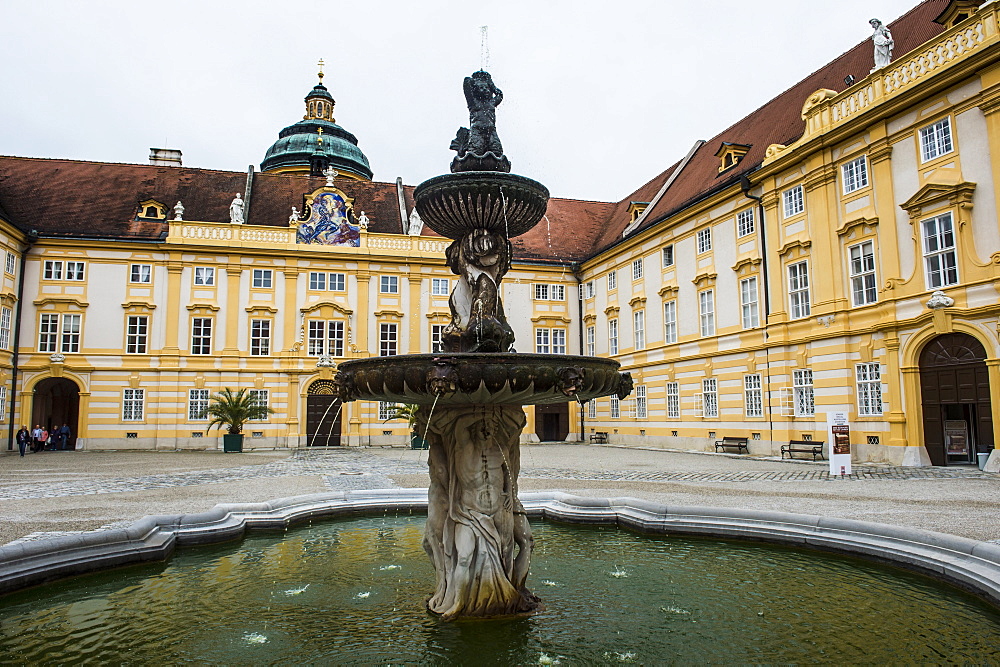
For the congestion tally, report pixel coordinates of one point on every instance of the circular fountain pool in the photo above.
(352, 591)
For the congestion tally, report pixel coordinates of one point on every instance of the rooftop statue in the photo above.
(478, 145)
(882, 39)
(236, 210)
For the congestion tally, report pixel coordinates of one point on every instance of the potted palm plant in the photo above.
(233, 410)
(408, 411)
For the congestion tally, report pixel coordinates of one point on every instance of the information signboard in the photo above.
(839, 437)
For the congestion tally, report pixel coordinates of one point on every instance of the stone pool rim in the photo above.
(971, 565)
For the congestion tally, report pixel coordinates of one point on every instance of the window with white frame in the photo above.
(639, 329)
(75, 270)
(869, 378)
(802, 390)
(439, 286)
(260, 397)
(10, 265)
(710, 397)
(437, 338)
(748, 302)
(140, 273)
(132, 404)
(673, 400)
(793, 201)
(201, 335)
(637, 269)
(855, 174)
(52, 270)
(260, 338)
(204, 276)
(935, 140)
(940, 258)
(337, 282)
(640, 403)
(325, 337)
(389, 284)
(706, 312)
(753, 399)
(744, 223)
(798, 290)
(5, 322)
(546, 292)
(613, 280)
(592, 408)
(616, 411)
(388, 339)
(48, 332)
(863, 286)
(263, 278)
(136, 334)
(386, 410)
(3, 402)
(542, 343)
(70, 338)
(670, 322)
(668, 256)
(550, 341)
(588, 290)
(592, 341)
(613, 336)
(317, 280)
(197, 404)
(704, 240)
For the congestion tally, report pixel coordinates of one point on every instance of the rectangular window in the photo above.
(798, 290)
(704, 240)
(132, 404)
(260, 338)
(744, 223)
(53, 270)
(317, 280)
(201, 335)
(613, 336)
(706, 312)
(616, 411)
(640, 403)
(136, 334)
(541, 292)
(325, 337)
(5, 322)
(389, 284)
(204, 276)
(802, 388)
(48, 333)
(437, 338)
(673, 400)
(9, 267)
(439, 286)
(316, 337)
(588, 290)
(935, 140)
(386, 410)
(592, 341)
(636, 269)
(74, 270)
(550, 341)
(70, 333)
(387, 339)
(558, 341)
(542, 342)
(338, 282)
(863, 287)
(668, 256)
(639, 329)
(710, 397)
(869, 378)
(140, 273)
(260, 397)
(940, 258)
(855, 174)
(544, 292)
(592, 408)
(263, 278)
(748, 302)
(3, 401)
(793, 201)
(753, 400)
(197, 404)
(613, 281)
(670, 322)
(335, 338)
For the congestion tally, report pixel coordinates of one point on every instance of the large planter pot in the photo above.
(232, 442)
(416, 442)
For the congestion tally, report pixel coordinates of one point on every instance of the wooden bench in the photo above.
(739, 443)
(814, 447)
(600, 437)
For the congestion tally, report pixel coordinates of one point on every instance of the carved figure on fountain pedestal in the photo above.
(478, 146)
(481, 259)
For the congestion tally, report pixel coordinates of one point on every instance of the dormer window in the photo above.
(730, 155)
(152, 210)
(956, 12)
(635, 209)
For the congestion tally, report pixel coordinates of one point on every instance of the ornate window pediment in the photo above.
(947, 188)
(326, 304)
(861, 220)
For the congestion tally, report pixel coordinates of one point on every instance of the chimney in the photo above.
(165, 157)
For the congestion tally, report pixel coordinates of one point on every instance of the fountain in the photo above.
(471, 397)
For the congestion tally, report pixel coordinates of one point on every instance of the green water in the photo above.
(353, 591)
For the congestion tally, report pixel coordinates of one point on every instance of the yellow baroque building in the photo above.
(838, 250)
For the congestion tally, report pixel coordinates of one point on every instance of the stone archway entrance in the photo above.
(56, 401)
(955, 399)
(323, 415)
(552, 422)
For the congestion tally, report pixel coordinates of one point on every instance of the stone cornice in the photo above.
(856, 222)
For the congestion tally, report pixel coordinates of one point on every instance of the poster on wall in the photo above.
(956, 436)
(839, 436)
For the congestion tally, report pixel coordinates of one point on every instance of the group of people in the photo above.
(40, 438)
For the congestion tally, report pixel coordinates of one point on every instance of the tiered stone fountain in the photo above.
(471, 397)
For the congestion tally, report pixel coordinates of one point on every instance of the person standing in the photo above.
(36, 438)
(64, 434)
(23, 437)
(43, 439)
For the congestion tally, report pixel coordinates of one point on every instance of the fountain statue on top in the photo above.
(471, 396)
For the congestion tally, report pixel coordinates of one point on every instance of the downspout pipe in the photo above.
(30, 240)
(766, 292)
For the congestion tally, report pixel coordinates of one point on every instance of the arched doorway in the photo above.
(955, 399)
(552, 422)
(322, 415)
(56, 402)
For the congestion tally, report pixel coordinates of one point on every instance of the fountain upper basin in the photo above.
(480, 379)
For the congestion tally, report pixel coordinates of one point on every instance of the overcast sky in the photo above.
(599, 97)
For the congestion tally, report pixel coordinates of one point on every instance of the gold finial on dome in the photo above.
(320, 63)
